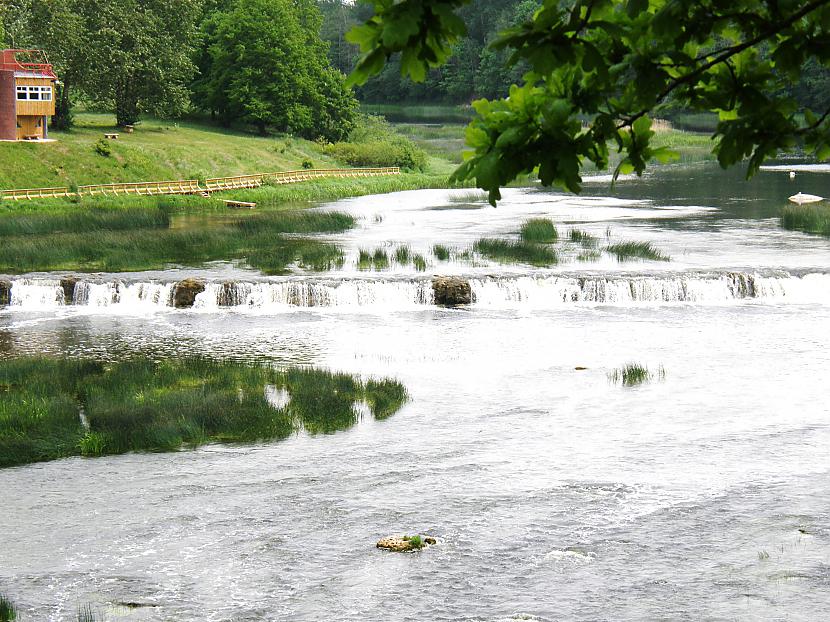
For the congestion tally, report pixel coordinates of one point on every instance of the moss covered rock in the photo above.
(5, 292)
(452, 291)
(402, 544)
(185, 292)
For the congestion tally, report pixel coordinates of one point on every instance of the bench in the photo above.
(111, 136)
(129, 129)
(31, 137)
(239, 204)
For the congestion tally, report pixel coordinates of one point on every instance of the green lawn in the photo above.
(158, 150)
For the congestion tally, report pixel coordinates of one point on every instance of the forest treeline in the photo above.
(270, 64)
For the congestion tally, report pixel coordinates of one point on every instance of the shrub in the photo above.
(307, 164)
(102, 148)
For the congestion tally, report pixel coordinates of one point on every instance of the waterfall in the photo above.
(376, 294)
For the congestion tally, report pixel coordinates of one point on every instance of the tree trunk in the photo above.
(126, 105)
(63, 108)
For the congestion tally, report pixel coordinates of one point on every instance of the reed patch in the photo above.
(539, 230)
(633, 374)
(508, 251)
(146, 405)
(636, 250)
(807, 218)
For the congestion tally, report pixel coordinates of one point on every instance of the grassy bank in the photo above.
(142, 405)
(113, 240)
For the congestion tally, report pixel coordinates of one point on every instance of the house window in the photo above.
(34, 93)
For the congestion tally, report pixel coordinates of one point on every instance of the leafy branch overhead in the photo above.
(600, 68)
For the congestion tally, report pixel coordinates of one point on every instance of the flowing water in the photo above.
(554, 494)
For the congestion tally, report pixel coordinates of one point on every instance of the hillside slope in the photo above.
(157, 150)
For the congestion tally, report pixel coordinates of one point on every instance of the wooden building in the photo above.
(27, 95)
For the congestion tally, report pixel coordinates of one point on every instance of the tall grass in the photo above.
(807, 218)
(507, 251)
(633, 374)
(636, 250)
(8, 612)
(403, 255)
(539, 230)
(145, 405)
(95, 219)
(259, 239)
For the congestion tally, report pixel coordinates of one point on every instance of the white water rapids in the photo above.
(376, 295)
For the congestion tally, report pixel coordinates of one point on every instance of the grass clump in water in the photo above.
(539, 230)
(471, 196)
(144, 405)
(507, 251)
(578, 236)
(8, 612)
(633, 374)
(807, 218)
(385, 397)
(636, 250)
(441, 252)
(403, 255)
(589, 255)
(419, 262)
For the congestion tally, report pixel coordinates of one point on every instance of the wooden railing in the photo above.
(191, 186)
(35, 193)
(182, 186)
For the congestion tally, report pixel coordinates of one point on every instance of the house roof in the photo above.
(27, 64)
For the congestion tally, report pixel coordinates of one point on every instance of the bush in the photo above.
(307, 164)
(373, 143)
(102, 147)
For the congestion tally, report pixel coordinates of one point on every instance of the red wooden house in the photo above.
(27, 94)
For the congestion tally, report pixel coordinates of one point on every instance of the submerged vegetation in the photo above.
(810, 218)
(508, 251)
(632, 374)
(539, 230)
(636, 250)
(143, 405)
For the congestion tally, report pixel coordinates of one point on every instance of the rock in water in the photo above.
(402, 544)
(68, 284)
(5, 292)
(185, 292)
(452, 291)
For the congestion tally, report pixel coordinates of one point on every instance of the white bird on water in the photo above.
(792, 174)
(802, 198)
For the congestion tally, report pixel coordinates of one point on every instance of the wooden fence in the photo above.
(191, 186)
(182, 186)
(35, 193)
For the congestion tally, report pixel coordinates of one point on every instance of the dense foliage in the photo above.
(473, 70)
(264, 63)
(123, 55)
(614, 63)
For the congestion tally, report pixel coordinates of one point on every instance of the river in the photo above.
(554, 494)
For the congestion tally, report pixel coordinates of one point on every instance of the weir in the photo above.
(377, 294)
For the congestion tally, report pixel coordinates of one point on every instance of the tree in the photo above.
(266, 65)
(140, 55)
(59, 27)
(614, 63)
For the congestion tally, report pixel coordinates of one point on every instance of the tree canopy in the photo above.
(599, 68)
(264, 63)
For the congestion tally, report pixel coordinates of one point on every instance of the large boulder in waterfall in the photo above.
(402, 544)
(5, 292)
(185, 292)
(451, 291)
(68, 284)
